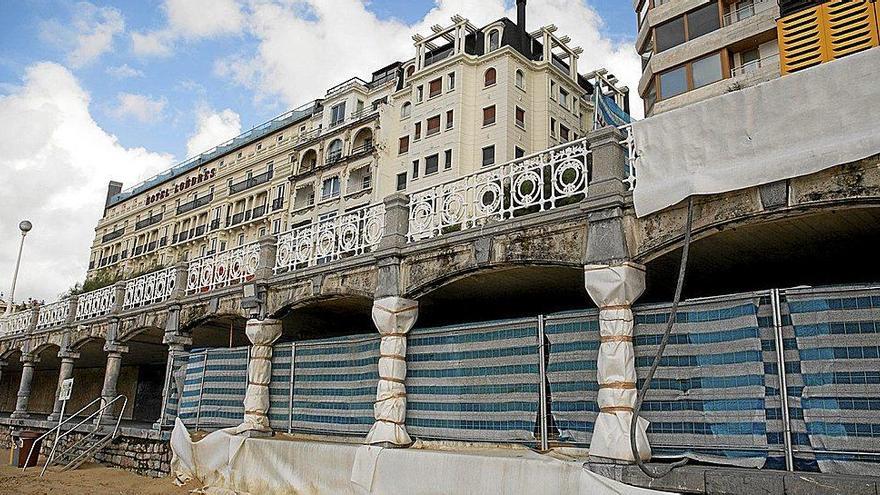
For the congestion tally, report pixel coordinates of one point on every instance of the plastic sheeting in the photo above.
(788, 127)
(225, 462)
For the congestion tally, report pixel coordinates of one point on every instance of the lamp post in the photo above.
(25, 227)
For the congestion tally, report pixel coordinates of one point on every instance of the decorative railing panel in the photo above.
(223, 269)
(16, 323)
(350, 234)
(539, 182)
(52, 315)
(96, 303)
(149, 289)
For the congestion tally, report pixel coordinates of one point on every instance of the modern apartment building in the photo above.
(470, 98)
(696, 49)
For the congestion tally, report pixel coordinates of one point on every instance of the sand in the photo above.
(88, 479)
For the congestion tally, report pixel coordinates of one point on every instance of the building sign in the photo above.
(66, 388)
(183, 185)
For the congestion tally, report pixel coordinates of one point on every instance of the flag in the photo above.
(608, 112)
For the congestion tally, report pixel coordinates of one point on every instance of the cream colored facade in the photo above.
(344, 152)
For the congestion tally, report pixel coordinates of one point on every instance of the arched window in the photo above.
(494, 39)
(490, 77)
(410, 71)
(405, 110)
(334, 151)
(520, 79)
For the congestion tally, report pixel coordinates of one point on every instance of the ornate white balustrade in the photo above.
(630, 143)
(149, 289)
(223, 269)
(353, 233)
(533, 183)
(53, 315)
(96, 303)
(16, 323)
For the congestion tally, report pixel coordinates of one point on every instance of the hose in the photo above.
(657, 357)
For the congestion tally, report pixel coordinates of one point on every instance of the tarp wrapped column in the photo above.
(262, 334)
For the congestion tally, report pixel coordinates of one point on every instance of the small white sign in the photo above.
(66, 388)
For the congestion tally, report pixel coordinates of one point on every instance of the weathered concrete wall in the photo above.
(87, 384)
(9, 390)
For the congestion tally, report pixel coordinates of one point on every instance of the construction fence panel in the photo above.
(174, 387)
(281, 387)
(474, 382)
(335, 384)
(214, 388)
(838, 356)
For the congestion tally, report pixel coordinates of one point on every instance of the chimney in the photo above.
(113, 189)
(521, 15)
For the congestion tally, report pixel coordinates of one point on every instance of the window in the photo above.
(563, 133)
(406, 110)
(489, 155)
(552, 127)
(706, 71)
(650, 98)
(520, 79)
(401, 181)
(367, 181)
(643, 11)
(337, 114)
(494, 39)
(450, 119)
(690, 26)
(334, 151)
(280, 137)
(518, 152)
(432, 164)
(435, 87)
(520, 117)
(330, 188)
(489, 77)
(410, 71)
(563, 97)
(418, 131)
(415, 169)
(359, 108)
(433, 125)
(447, 160)
(241, 239)
(276, 227)
(450, 81)
(403, 145)
(259, 146)
(552, 89)
(673, 82)
(420, 94)
(489, 115)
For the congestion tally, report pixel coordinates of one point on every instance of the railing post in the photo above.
(266, 265)
(396, 221)
(119, 290)
(35, 318)
(73, 301)
(181, 278)
(609, 162)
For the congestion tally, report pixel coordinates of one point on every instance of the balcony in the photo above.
(183, 236)
(333, 157)
(252, 182)
(195, 203)
(367, 147)
(755, 65)
(112, 236)
(236, 219)
(138, 250)
(258, 212)
(746, 12)
(215, 224)
(153, 220)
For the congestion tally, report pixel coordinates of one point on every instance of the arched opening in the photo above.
(327, 317)
(222, 331)
(831, 247)
(147, 356)
(494, 39)
(308, 161)
(10, 378)
(520, 79)
(406, 110)
(502, 292)
(45, 381)
(88, 377)
(334, 151)
(410, 71)
(490, 77)
(363, 141)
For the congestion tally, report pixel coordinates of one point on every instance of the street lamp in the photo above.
(25, 227)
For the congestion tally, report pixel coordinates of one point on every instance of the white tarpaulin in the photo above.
(796, 125)
(226, 463)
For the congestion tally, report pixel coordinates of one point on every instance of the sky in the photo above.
(96, 91)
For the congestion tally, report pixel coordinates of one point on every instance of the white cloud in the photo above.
(212, 128)
(56, 162)
(88, 35)
(333, 41)
(124, 71)
(189, 20)
(143, 108)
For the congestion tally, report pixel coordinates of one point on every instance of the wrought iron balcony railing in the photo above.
(258, 212)
(539, 182)
(252, 182)
(112, 236)
(147, 222)
(53, 315)
(224, 269)
(350, 234)
(367, 147)
(149, 289)
(196, 203)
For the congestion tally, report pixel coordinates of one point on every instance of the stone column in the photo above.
(28, 361)
(111, 377)
(394, 317)
(614, 288)
(67, 358)
(262, 334)
(177, 344)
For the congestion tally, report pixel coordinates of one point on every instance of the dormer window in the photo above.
(494, 40)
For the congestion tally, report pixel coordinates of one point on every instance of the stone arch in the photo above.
(130, 333)
(308, 161)
(363, 138)
(80, 341)
(7, 352)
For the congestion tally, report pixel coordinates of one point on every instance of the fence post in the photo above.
(542, 386)
(201, 390)
(776, 303)
(290, 394)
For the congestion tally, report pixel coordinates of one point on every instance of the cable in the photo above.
(669, 324)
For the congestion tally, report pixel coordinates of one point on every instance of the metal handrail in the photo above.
(57, 428)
